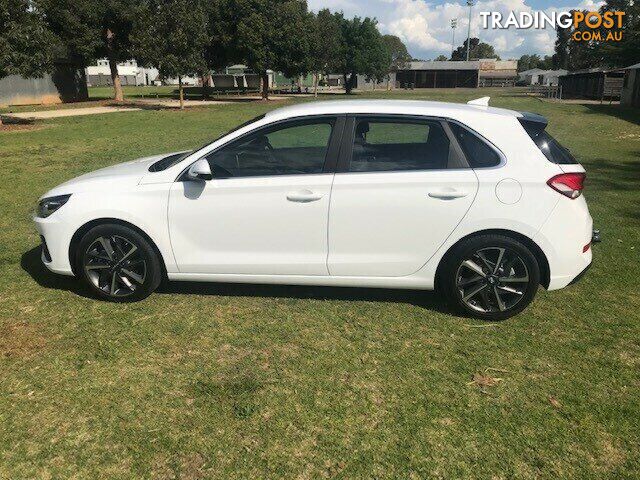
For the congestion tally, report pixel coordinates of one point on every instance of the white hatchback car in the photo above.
(478, 202)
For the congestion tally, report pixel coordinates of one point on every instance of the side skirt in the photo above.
(410, 282)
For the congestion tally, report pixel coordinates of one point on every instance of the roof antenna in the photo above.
(481, 102)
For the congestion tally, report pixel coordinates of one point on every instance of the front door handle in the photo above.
(304, 196)
(447, 194)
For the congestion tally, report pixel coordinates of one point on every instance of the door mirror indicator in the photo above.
(200, 170)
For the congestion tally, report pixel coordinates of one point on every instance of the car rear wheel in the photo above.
(492, 277)
(117, 263)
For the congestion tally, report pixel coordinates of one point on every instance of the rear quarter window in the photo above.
(478, 152)
(549, 146)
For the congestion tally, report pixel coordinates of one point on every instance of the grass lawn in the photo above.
(231, 381)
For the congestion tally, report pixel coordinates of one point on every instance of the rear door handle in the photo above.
(447, 194)
(303, 196)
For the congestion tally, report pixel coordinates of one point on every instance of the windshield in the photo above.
(171, 160)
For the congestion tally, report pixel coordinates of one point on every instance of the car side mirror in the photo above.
(200, 170)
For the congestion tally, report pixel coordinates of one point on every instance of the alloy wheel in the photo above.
(115, 265)
(492, 279)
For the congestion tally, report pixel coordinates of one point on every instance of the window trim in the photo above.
(346, 147)
(482, 138)
(330, 160)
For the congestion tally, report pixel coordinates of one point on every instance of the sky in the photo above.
(425, 26)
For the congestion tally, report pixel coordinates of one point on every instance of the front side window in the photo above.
(395, 145)
(293, 148)
(479, 154)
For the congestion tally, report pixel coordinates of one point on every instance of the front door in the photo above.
(401, 189)
(265, 212)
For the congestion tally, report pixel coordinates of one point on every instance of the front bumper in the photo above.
(55, 241)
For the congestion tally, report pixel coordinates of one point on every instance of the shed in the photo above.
(530, 76)
(66, 83)
(630, 96)
(593, 83)
(486, 72)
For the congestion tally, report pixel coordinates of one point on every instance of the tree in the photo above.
(561, 48)
(174, 39)
(326, 43)
(271, 34)
(397, 50)
(441, 58)
(26, 45)
(218, 51)
(477, 50)
(625, 52)
(93, 29)
(574, 54)
(363, 51)
(529, 62)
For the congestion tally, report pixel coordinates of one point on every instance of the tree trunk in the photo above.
(206, 81)
(264, 78)
(315, 84)
(349, 83)
(113, 67)
(180, 92)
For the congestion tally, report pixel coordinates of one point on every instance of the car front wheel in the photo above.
(117, 263)
(492, 277)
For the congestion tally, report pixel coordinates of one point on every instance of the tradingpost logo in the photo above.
(587, 26)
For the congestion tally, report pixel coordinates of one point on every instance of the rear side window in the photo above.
(391, 145)
(479, 154)
(548, 145)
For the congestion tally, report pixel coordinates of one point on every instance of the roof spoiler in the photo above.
(533, 121)
(480, 102)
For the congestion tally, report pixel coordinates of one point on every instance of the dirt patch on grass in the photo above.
(187, 467)
(20, 340)
(20, 128)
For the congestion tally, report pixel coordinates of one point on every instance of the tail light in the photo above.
(568, 184)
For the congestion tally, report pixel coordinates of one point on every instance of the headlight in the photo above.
(47, 206)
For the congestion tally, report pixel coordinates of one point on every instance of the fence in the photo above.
(547, 91)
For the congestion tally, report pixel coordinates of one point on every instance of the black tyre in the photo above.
(492, 277)
(117, 263)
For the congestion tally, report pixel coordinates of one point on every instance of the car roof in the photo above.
(390, 107)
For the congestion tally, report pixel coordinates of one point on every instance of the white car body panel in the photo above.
(249, 226)
(366, 229)
(385, 224)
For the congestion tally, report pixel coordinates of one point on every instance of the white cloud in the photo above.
(426, 29)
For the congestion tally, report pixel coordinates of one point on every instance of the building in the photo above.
(537, 76)
(388, 83)
(551, 77)
(246, 76)
(630, 95)
(451, 74)
(529, 77)
(593, 83)
(334, 80)
(99, 75)
(66, 83)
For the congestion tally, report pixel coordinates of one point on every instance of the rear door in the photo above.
(401, 188)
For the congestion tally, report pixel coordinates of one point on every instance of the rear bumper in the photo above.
(565, 239)
(580, 275)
